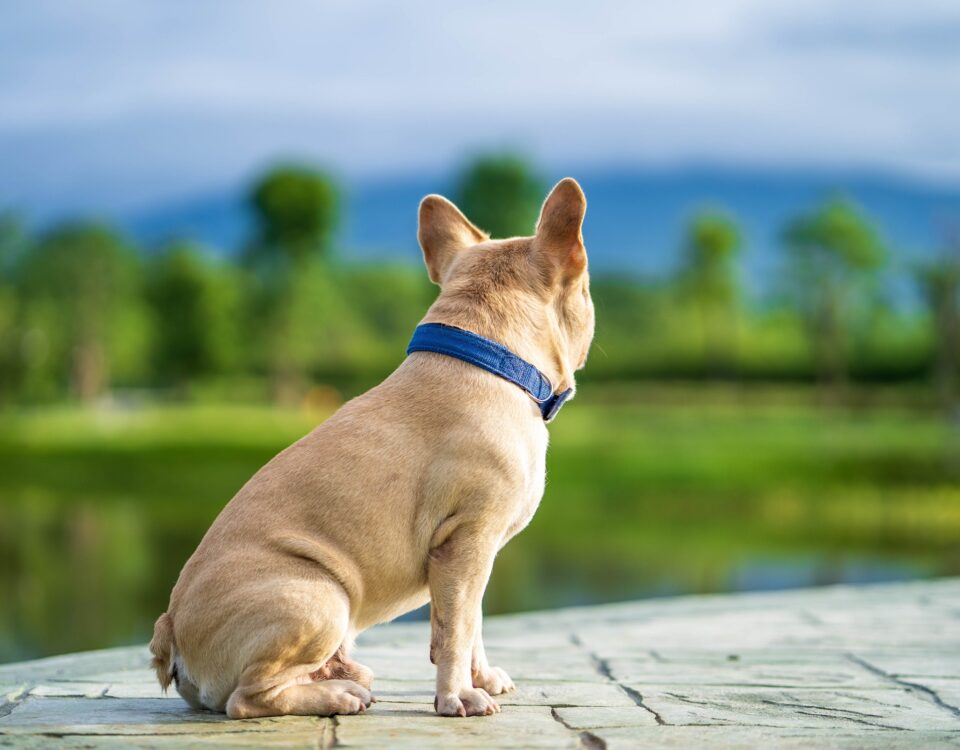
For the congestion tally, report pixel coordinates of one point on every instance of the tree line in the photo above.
(84, 312)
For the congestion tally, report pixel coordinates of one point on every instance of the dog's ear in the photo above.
(559, 229)
(443, 232)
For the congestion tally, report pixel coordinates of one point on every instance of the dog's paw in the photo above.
(494, 680)
(468, 702)
(347, 697)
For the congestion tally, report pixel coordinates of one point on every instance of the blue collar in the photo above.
(492, 357)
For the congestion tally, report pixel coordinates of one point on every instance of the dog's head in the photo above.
(530, 293)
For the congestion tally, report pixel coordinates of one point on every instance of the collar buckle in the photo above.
(551, 406)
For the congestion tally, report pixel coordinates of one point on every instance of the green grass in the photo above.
(649, 490)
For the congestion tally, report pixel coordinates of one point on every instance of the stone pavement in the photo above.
(844, 667)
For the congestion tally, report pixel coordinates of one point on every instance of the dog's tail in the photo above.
(164, 650)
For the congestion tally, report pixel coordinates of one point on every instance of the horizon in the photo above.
(838, 179)
(635, 218)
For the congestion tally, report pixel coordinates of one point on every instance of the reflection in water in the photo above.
(772, 574)
(84, 572)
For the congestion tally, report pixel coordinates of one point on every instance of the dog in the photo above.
(404, 496)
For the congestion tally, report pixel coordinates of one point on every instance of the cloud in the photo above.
(125, 103)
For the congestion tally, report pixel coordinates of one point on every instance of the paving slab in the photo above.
(893, 708)
(400, 725)
(735, 738)
(745, 669)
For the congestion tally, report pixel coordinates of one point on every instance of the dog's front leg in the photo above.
(458, 573)
(492, 679)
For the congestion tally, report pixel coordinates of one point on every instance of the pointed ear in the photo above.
(559, 228)
(443, 232)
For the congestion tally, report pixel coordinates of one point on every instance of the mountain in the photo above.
(634, 221)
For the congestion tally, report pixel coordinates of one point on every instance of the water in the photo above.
(84, 572)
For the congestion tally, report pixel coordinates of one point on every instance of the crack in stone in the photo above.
(873, 724)
(6, 708)
(817, 712)
(914, 687)
(12, 701)
(691, 701)
(334, 740)
(809, 618)
(588, 740)
(637, 698)
(603, 668)
(820, 708)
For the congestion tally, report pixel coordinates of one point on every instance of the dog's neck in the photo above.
(530, 330)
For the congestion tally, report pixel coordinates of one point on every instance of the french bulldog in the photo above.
(403, 496)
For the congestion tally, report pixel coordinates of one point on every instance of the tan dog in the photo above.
(404, 496)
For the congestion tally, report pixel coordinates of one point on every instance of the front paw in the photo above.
(468, 702)
(494, 680)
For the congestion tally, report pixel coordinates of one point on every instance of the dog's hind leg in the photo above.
(324, 698)
(290, 649)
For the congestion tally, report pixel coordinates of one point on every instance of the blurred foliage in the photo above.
(292, 297)
(296, 211)
(501, 195)
(940, 284)
(13, 241)
(835, 254)
(82, 312)
(709, 280)
(196, 307)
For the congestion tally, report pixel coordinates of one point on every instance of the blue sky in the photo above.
(117, 105)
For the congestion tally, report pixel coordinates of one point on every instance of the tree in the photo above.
(195, 309)
(296, 210)
(835, 253)
(81, 283)
(13, 241)
(501, 195)
(709, 277)
(940, 284)
(386, 303)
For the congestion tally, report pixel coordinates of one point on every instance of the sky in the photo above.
(117, 105)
